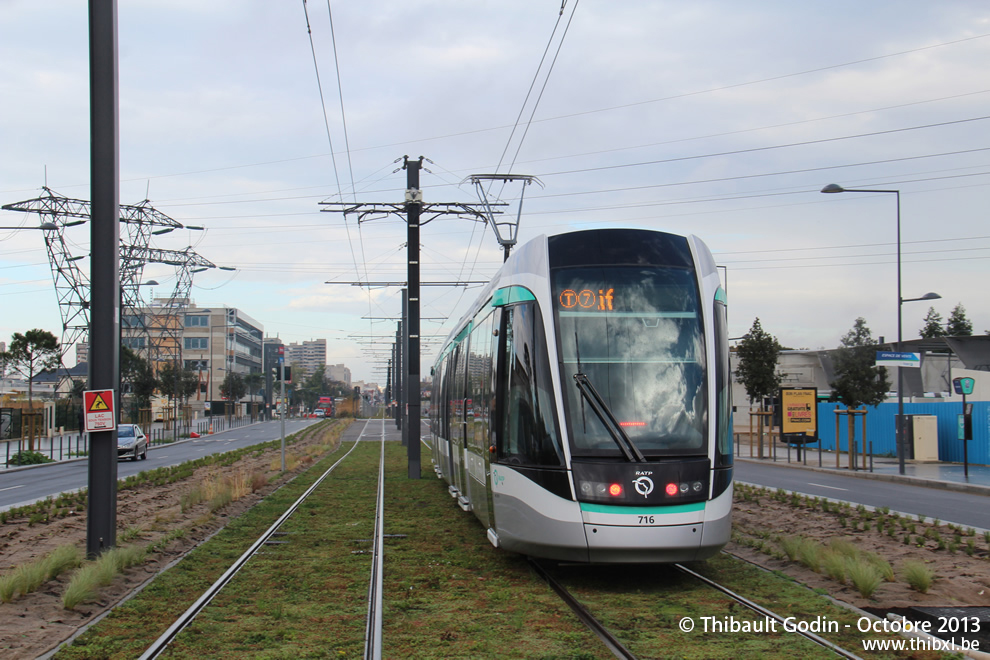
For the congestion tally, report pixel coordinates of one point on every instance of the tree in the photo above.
(959, 325)
(858, 382)
(253, 382)
(757, 369)
(29, 354)
(233, 388)
(137, 372)
(933, 325)
(179, 383)
(313, 388)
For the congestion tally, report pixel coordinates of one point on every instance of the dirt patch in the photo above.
(34, 624)
(961, 565)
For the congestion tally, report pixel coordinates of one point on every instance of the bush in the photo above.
(29, 458)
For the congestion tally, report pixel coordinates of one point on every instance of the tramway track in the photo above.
(274, 536)
(615, 645)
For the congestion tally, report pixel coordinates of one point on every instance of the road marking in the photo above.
(824, 486)
(11, 487)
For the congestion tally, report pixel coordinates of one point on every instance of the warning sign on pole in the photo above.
(99, 409)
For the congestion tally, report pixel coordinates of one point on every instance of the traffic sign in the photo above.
(100, 410)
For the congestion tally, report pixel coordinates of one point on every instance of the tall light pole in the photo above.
(899, 424)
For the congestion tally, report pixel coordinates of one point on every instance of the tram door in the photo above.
(458, 421)
(478, 406)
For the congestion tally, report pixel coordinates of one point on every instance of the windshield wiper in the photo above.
(588, 391)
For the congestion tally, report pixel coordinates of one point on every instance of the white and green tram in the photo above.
(581, 408)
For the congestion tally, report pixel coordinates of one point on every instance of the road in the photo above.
(972, 510)
(20, 487)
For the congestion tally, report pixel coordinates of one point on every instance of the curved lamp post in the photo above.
(899, 424)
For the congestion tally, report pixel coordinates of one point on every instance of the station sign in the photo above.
(898, 359)
(963, 385)
(100, 410)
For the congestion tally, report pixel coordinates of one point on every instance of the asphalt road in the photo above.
(970, 509)
(23, 486)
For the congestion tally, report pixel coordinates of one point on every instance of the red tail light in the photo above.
(615, 490)
(671, 489)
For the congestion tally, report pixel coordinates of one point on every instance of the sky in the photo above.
(715, 118)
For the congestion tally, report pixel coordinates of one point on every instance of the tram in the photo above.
(581, 408)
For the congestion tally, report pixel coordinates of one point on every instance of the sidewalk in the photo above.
(948, 476)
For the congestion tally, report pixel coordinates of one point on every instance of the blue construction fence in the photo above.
(880, 429)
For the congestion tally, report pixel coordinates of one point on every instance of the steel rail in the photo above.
(586, 617)
(373, 623)
(620, 651)
(759, 609)
(190, 614)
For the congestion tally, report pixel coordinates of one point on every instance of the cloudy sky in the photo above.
(717, 118)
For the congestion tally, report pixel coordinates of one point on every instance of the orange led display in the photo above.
(587, 299)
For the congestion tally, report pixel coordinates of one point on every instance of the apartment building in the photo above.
(307, 356)
(211, 341)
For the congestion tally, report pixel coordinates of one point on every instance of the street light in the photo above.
(899, 424)
(45, 226)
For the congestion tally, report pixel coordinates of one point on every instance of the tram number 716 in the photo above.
(646, 520)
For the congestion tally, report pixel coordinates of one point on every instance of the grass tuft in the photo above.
(28, 578)
(918, 575)
(86, 582)
(834, 565)
(864, 576)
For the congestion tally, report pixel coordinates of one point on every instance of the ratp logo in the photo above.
(643, 485)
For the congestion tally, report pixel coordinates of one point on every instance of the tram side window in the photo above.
(723, 390)
(441, 402)
(455, 396)
(529, 426)
(480, 383)
(436, 400)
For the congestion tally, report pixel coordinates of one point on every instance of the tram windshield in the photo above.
(636, 334)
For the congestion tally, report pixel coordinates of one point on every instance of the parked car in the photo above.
(131, 442)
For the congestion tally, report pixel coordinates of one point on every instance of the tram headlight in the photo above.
(601, 490)
(697, 486)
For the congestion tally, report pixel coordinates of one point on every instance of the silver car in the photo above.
(131, 442)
